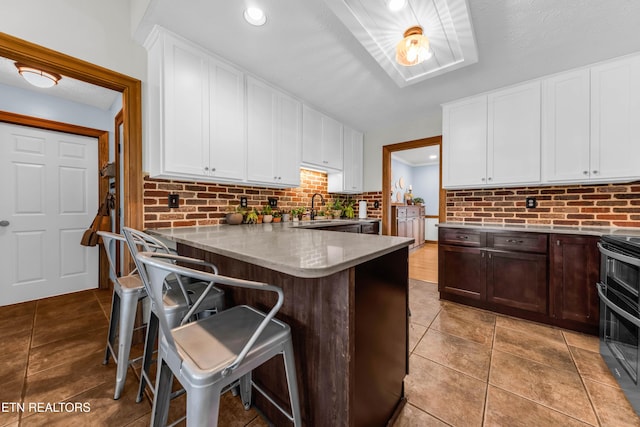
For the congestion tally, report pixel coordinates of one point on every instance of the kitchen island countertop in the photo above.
(292, 249)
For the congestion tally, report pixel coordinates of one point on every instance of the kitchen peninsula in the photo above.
(346, 300)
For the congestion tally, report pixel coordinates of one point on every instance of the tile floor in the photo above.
(468, 368)
(471, 367)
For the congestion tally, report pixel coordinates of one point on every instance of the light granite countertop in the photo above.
(585, 231)
(295, 250)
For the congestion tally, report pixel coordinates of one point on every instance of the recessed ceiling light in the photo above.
(255, 16)
(396, 5)
(433, 156)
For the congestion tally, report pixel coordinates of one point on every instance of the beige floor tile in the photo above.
(22, 322)
(67, 350)
(423, 303)
(467, 323)
(558, 389)
(414, 417)
(17, 310)
(529, 329)
(612, 407)
(416, 332)
(537, 347)
(16, 343)
(584, 341)
(456, 353)
(441, 392)
(592, 366)
(10, 397)
(507, 409)
(13, 366)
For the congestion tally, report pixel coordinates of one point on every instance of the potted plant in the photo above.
(348, 209)
(267, 213)
(418, 201)
(296, 213)
(286, 215)
(322, 214)
(336, 208)
(235, 215)
(251, 217)
(277, 216)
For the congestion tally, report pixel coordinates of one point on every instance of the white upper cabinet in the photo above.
(513, 135)
(349, 180)
(615, 119)
(274, 136)
(565, 127)
(196, 113)
(321, 140)
(464, 143)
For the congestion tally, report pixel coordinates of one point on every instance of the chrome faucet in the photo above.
(313, 212)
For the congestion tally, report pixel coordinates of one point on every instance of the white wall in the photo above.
(92, 30)
(430, 125)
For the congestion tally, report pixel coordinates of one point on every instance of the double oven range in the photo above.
(619, 292)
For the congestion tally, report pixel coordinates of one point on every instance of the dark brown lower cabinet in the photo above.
(575, 269)
(547, 278)
(518, 280)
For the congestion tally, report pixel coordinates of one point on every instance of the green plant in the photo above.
(322, 213)
(251, 217)
(348, 209)
(417, 200)
(277, 214)
(297, 212)
(267, 210)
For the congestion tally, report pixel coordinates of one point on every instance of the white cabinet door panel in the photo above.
(311, 136)
(565, 127)
(464, 143)
(261, 108)
(513, 142)
(615, 119)
(289, 141)
(331, 143)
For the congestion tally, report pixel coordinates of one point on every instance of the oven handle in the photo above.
(618, 256)
(614, 307)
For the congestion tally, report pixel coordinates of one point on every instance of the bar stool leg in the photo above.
(113, 321)
(129, 302)
(245, 390)
(292, 382)
(147, 358)
(203, 406)
(162, 396)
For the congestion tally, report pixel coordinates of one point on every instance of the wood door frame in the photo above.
(386, 177)
(103, 159)
(46, 59)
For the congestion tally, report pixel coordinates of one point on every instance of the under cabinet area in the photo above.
(548, 278)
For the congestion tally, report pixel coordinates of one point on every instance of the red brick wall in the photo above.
(207, 203)
(611, 205)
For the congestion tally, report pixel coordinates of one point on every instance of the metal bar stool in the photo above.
(201, 301)
(210, 354)
(129, 290)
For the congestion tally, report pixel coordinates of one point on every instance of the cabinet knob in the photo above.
(279, 177)
(206, 168)
(482, 179)
(515, 241)
(595, 172)
(213, 169)
(489, 179)
(325, 162)
(463, 237)
(586, 172)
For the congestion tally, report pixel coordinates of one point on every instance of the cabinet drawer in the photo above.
(401, 212)
(369, 228)
(523, 242)
(456, 236)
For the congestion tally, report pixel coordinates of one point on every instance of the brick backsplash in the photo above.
(608, 205)
(203, 203)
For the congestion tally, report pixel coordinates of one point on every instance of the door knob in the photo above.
(4, 223)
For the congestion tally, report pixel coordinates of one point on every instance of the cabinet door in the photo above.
(353, 147)
(311, 136)
(420, 237)
(261, 132)
(402, 228)
(431, 233)
(513, 142)
(462, 271)
(615, 124)
(227, 141)
(185, 110)
(565, 127)
(575, 269)
(464, 143)
(331, 143)
(289, 141)
(518, 280)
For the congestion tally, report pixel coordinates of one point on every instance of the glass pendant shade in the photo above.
(38, 78)
(413, 48)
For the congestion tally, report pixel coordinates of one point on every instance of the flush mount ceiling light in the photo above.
(36, 77)
(396, 5)
(413, 48)
(255, 16)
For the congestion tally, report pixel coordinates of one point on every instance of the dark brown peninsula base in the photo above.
(350, 335)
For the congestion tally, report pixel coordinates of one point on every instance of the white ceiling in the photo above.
(423, 156)
(305, 49)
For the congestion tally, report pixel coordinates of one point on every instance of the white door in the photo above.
(50, 181)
